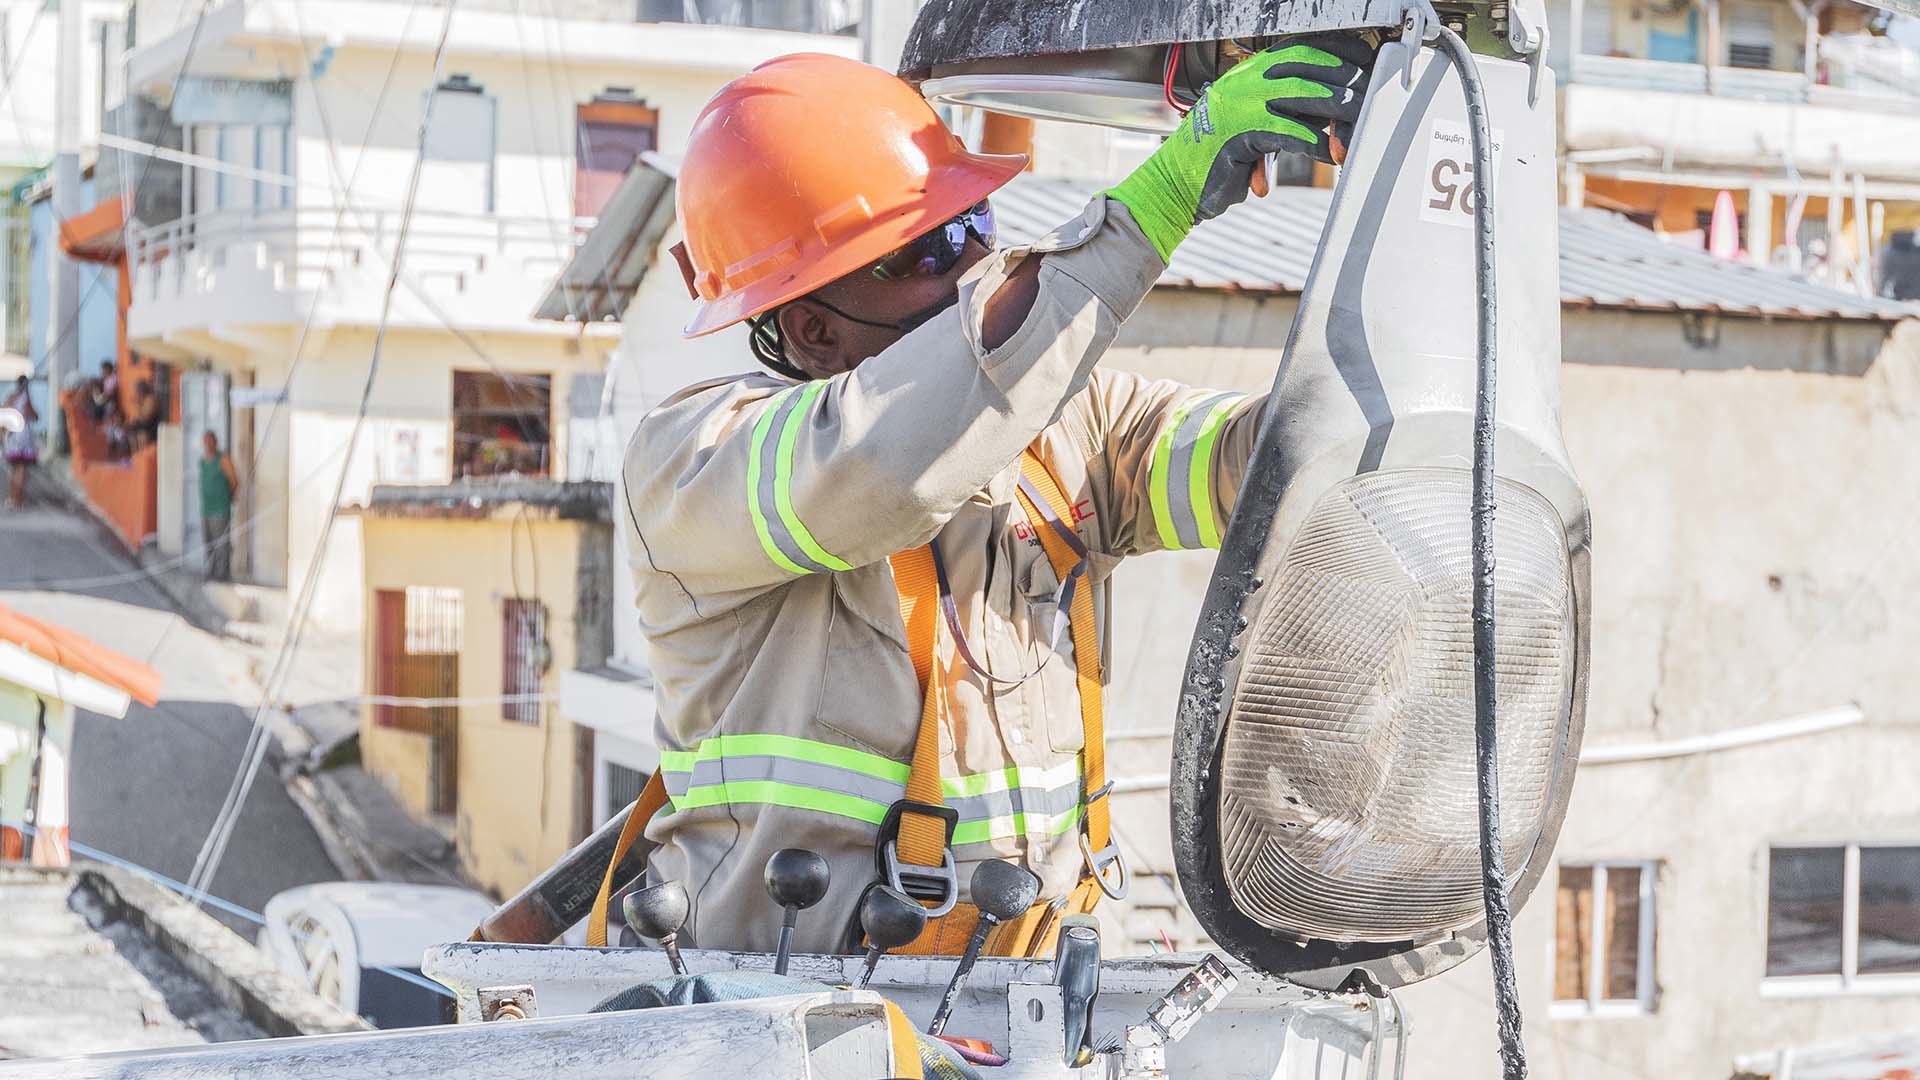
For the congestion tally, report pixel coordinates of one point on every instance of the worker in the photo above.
(893, 547)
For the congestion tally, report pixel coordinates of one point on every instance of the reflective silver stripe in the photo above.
(1175, 480)
(766, 449)
(738, 769)
(759, 779)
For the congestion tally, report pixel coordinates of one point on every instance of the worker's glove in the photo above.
(1277, 101)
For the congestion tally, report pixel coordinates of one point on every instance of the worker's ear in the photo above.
(812, 338)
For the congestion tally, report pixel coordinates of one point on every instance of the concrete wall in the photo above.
(517, 788)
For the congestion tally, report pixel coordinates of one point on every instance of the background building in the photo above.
(460, 720)
(1806, 113)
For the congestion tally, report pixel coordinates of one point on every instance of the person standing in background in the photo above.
(218, 482)
(21, 450)
(145, 426)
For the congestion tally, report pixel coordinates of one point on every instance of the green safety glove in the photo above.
(1280, 100)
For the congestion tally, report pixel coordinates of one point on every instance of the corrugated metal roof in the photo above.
(1267, 245)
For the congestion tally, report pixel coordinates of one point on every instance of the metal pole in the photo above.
(33, 780)
(1862, 238)
(63, 338)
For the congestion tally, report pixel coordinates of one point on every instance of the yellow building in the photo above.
(478, 594)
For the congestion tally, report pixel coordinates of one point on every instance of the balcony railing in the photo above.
(1870, 72)
(803, 16)
(267, 265)
(1870, 66)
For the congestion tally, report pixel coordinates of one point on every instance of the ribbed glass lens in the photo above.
(1347, 804)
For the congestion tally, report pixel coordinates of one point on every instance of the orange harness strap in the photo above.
(922, 838)
(652, 798)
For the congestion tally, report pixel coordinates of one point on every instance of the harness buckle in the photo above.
(1099, 861)
(938, 884)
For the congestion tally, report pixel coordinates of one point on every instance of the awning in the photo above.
(45, 657)
(600, 279)
(96, 236)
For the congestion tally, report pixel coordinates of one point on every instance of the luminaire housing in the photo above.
(1323, 788)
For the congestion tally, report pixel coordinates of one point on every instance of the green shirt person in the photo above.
(218, 482)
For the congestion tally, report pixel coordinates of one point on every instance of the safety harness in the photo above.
(913, 850)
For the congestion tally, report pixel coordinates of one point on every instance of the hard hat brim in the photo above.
(961, 182)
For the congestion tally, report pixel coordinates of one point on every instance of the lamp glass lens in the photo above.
(1347, 799)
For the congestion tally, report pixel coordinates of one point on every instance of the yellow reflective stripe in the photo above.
(845, 757)
(1200, 471)
(1157, 477)
(872, 806)
(783, 481)
(776, 793)
(1023, 823)
(760, 429)
(1013, 776)
(764, 745)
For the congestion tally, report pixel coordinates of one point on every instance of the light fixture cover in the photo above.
(955, 33)
(1323, 796)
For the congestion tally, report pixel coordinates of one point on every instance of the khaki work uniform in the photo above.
(761, 516)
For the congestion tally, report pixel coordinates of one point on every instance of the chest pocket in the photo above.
(866, 666)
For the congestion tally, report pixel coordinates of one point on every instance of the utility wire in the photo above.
(214, 849)
(1486, 745)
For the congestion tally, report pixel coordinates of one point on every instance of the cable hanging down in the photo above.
(1506, 996)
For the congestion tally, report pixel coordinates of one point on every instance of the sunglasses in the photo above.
(935, 252)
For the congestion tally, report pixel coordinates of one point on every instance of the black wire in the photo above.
(1506, 995)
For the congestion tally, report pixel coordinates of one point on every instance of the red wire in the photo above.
(1166, 82)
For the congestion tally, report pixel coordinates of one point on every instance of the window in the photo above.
(524, 636)
(416, 677)
(805, 16)
(1749, 31)
(611, 132)
(623, 785)
(1596, 28)
(19, 277)
(501, 424)
(1842, 917)
(457, 175)
(1603, 939)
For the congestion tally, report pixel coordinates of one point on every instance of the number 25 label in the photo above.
(1448, 195)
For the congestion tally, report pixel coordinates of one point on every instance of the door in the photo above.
(203, 408)
(1680, 45)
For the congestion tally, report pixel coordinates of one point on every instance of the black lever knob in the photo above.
(1002, 890)
(659, 911)
(796, 879)
(890, 919)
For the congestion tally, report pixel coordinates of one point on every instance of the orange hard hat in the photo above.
(807, 168)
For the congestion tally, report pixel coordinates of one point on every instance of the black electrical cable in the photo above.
(1506, 996)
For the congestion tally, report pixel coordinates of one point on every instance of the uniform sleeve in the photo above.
(752, 484)
(1173, 456)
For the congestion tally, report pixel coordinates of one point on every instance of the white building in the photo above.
(1807, 112)
(300, 122)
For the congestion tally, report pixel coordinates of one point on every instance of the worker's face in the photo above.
(836, 327)
(211, 443)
